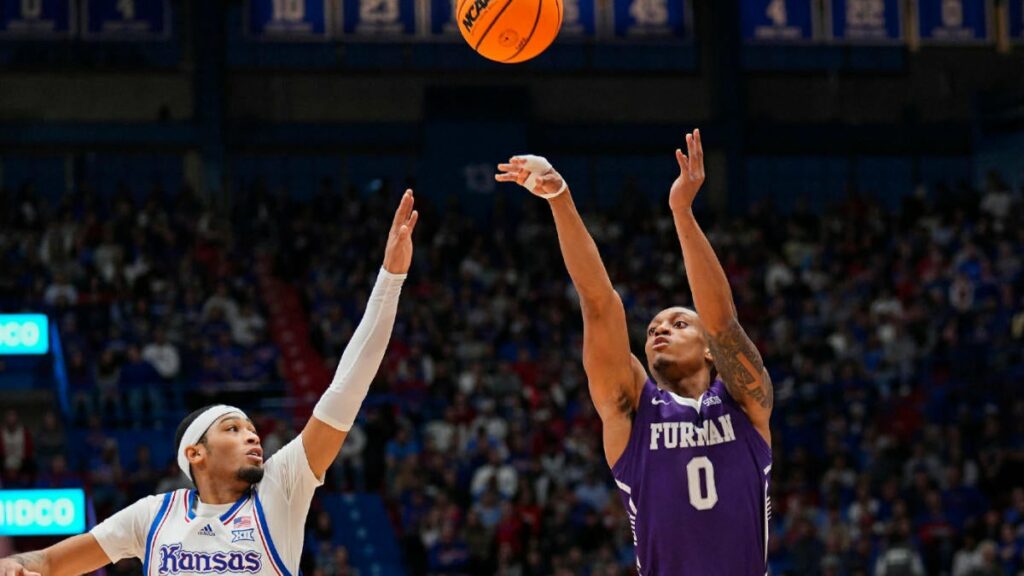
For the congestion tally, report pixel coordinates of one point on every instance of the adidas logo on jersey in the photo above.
(207, 531)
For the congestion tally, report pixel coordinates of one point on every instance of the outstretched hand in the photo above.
(691, 173)
(398, 251)
(546, 183)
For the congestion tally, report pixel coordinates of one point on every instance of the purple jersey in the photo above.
(694, 480)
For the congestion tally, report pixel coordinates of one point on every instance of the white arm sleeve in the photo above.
(359, 363)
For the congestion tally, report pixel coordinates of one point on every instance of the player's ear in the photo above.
(194, 453)
(711, 364)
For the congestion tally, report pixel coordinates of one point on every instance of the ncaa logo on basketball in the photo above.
(474, 12)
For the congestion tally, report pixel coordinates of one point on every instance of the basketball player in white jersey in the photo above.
(244, 516)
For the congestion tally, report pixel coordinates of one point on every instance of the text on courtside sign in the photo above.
(42, 512)
(24, 334)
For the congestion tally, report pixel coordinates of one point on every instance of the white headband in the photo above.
(197, 428)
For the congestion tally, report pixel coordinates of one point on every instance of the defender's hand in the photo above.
(398, 251)
(691, 174)
(534, 173)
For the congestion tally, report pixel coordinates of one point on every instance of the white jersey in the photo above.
(261, 533)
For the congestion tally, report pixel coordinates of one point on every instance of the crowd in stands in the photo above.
(895, 341)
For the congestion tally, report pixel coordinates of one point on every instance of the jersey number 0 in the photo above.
(699, 499)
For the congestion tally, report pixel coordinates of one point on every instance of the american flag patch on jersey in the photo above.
(241, 522)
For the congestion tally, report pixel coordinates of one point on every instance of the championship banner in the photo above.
(954, 21)
(287, 19)
(1017, 21)
(865, 21)
(126, 19)
(650, 18)
(40, 19)
(580, 19)
(783, 21)
(443, 18)
(379, 18)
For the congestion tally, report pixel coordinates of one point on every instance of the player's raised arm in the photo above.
(736, 359)
(336, 411)
(76, 555)
(613, 374)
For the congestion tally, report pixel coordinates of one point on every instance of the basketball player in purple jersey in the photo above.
(690, 452)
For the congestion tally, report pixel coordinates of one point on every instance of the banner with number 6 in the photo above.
(954, 21)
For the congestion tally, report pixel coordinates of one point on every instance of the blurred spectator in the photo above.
(143, 475)
(333, 561)
(49, 440)
(449, 554)
(495, 472)
(246, 325)
(16, 450)
(60, 293)
(163, 356)
(349, 469)
(900, 559)
(986, 563)
(401, 447)
(57, 475)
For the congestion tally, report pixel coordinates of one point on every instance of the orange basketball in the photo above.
(509, 31)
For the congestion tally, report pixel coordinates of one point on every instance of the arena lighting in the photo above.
(42, 512)
(24, 334)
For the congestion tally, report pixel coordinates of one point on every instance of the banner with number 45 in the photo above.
(650, 18)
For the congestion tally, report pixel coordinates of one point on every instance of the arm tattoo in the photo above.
(740, 365)
(35, 561)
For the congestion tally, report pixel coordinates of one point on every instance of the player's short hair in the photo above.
(183, 426)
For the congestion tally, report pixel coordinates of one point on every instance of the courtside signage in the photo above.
(42, 512)
(23, 334)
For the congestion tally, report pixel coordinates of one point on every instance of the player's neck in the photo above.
(223, 494)
(689, 386)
